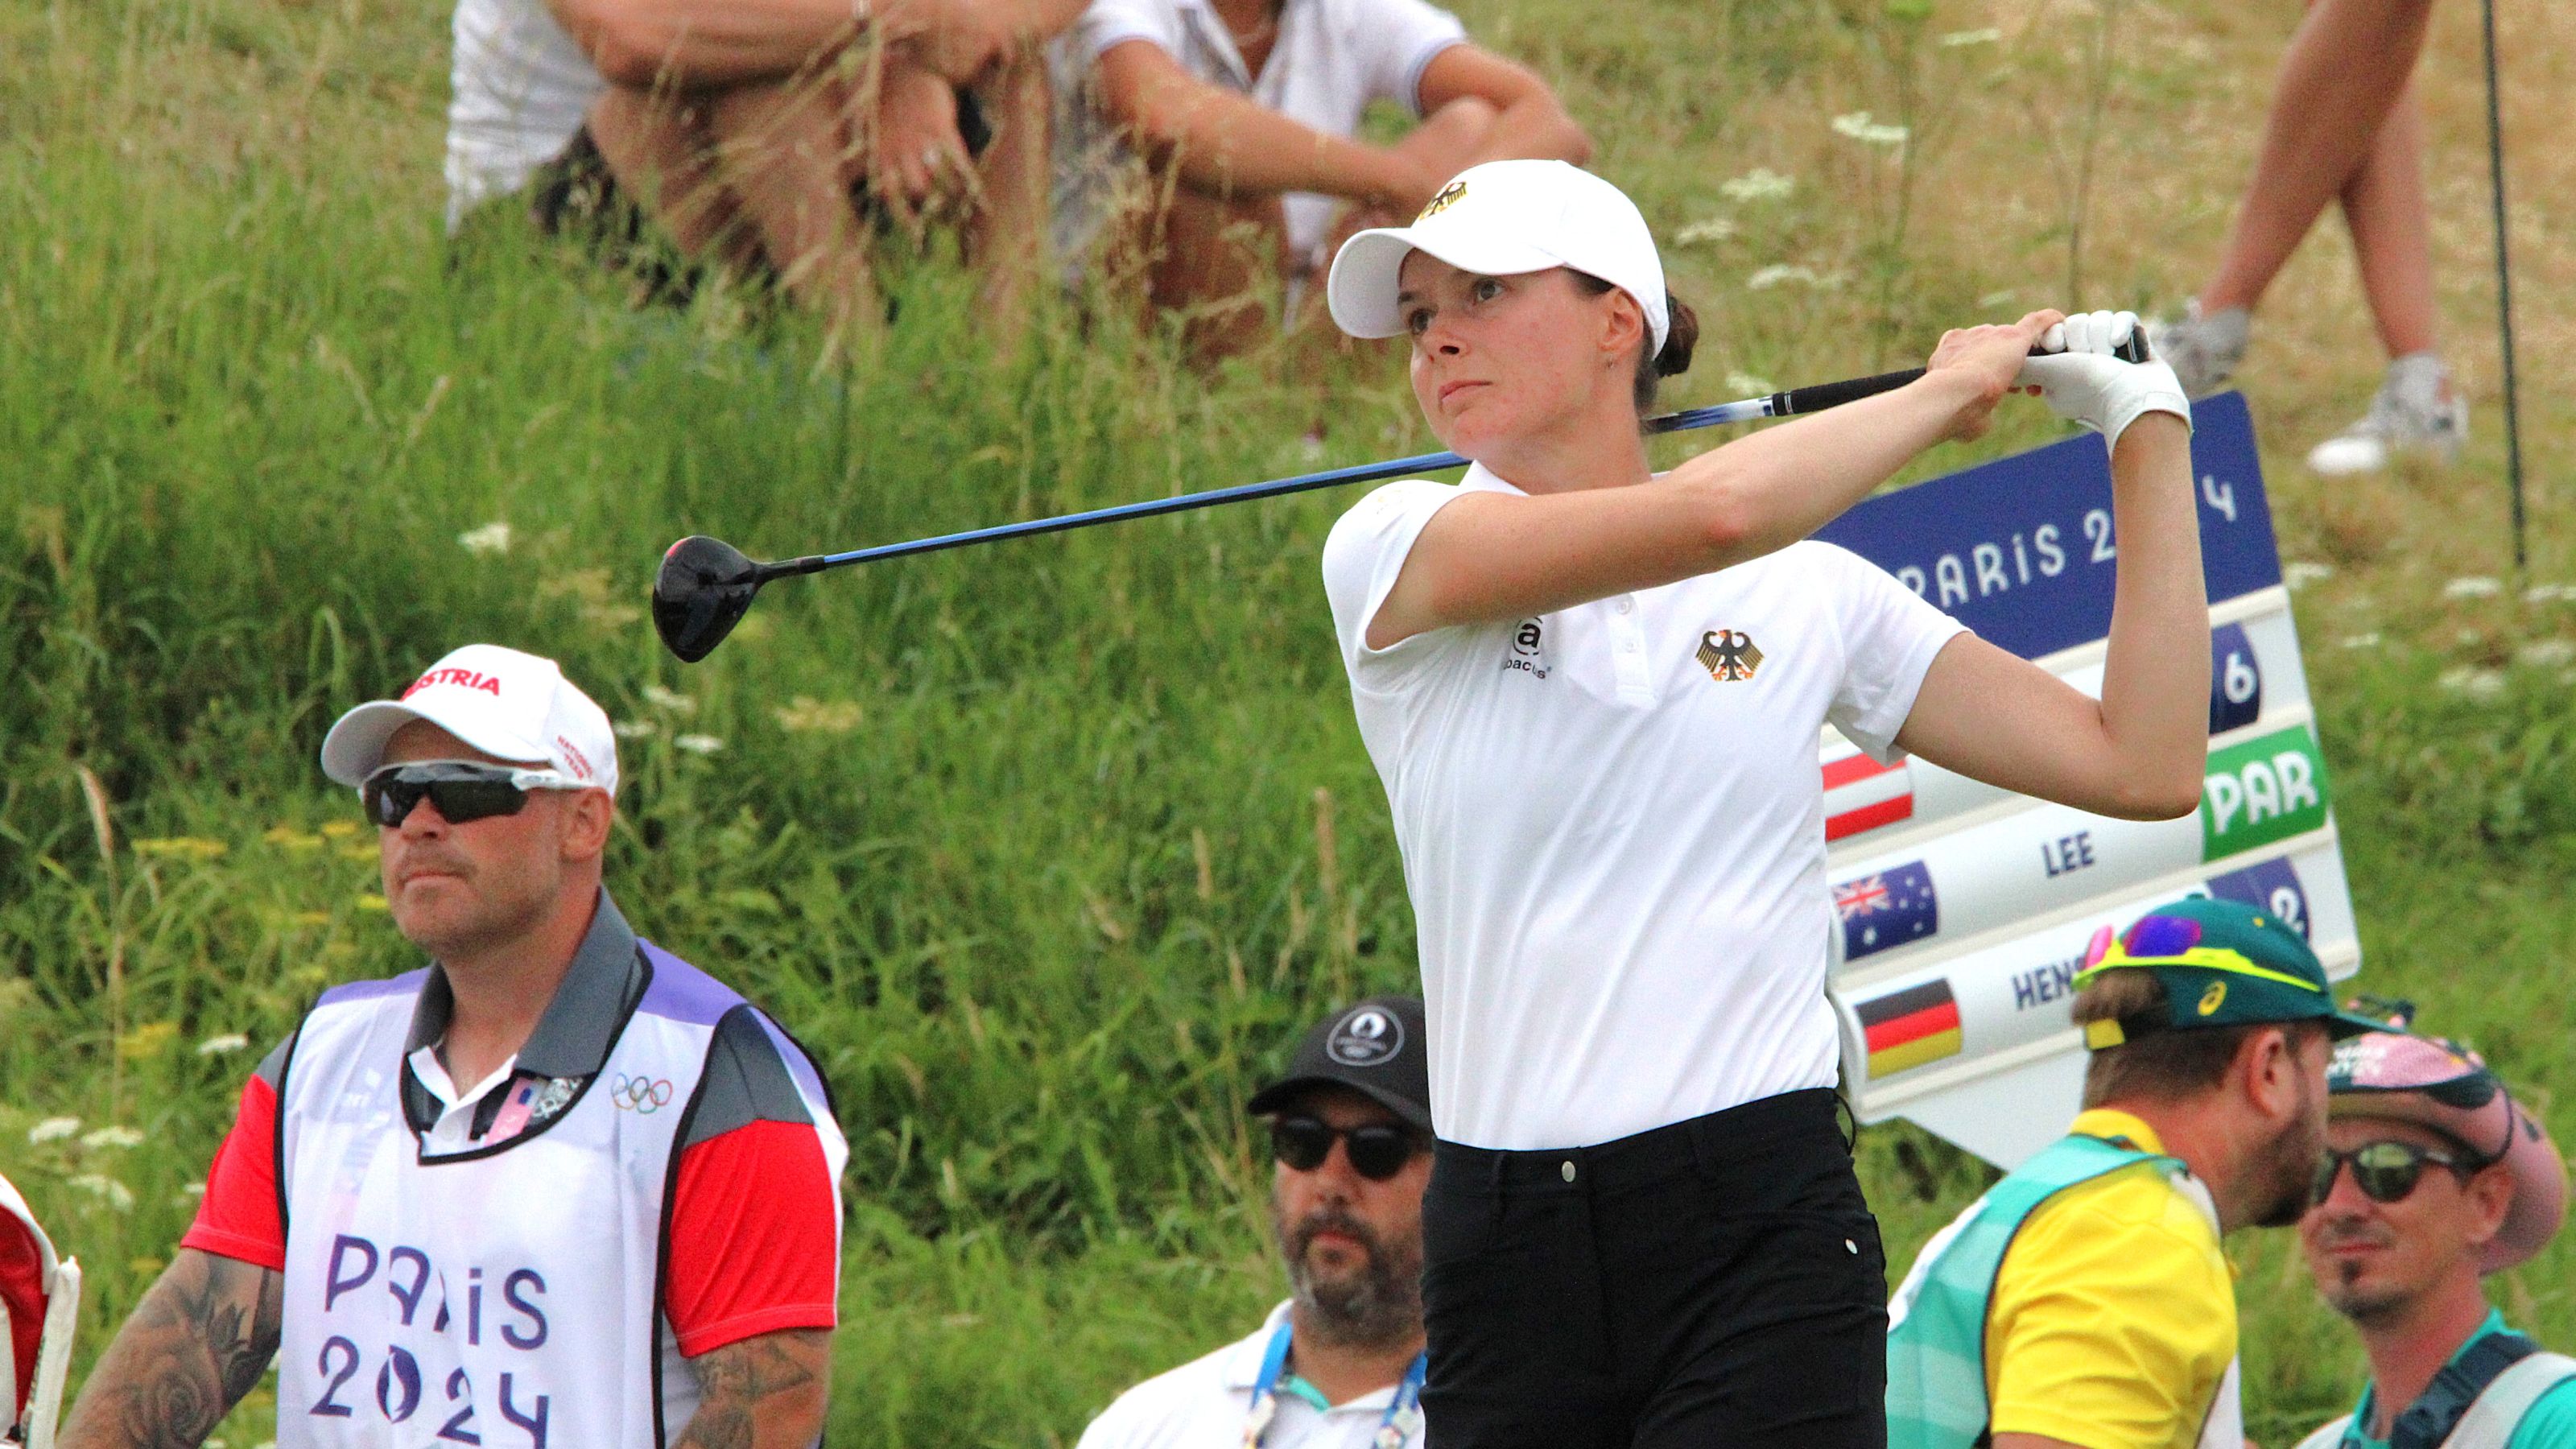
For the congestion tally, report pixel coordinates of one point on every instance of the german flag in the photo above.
(1908, 1028)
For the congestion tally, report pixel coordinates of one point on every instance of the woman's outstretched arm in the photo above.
(1503, 556)
(2137, 753)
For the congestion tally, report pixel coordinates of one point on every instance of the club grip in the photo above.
(1823, 395)
(1834, 394)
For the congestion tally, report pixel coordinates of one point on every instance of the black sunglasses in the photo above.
(1377, 1151)
(463, 790)
(2385, 1171)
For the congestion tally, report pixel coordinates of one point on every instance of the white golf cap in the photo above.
(1499, 220)
(504, 703)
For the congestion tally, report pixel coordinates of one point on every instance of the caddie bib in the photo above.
(507, 1296)
(1936, 1336)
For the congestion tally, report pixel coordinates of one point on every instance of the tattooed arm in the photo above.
(765, 1392)
(195, 1345)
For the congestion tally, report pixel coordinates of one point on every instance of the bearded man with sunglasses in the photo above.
(556, 1187)
(2083, 1301)
(2434, 1178)
(1340, 1364)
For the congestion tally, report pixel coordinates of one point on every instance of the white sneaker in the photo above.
(2202, 350)
(2416, 411)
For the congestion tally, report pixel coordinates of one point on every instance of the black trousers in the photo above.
(1714, 1283)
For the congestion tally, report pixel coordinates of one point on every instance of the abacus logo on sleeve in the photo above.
(1367, 1037)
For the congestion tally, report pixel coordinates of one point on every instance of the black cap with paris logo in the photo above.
(1376, 1048)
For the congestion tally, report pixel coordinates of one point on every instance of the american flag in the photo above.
(1887, 909)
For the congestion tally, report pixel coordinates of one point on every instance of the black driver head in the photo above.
(703, 589)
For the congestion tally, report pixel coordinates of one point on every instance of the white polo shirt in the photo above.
(520, 88)
(1205, 1403)
(1332, 59)
(1617, 856)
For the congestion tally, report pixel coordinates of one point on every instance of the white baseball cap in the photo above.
(515, 706)
(1499, 220)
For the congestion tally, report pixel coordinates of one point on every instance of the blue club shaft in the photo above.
(1748, 410)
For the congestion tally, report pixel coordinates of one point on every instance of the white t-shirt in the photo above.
(1616, 857)
(521, 89)
(1331, 60)
(1204, 1404)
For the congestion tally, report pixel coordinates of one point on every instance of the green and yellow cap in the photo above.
(2223, 963)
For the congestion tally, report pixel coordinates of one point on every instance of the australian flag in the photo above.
(1883, 911)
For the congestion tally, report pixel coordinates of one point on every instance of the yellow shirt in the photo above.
(2113, 1318)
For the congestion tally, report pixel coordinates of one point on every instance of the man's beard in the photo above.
(2363, 1306)
(2288, 1175)
(1377, 1305)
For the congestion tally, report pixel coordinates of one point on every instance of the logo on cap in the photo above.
(2214, 998)
(1368, 1037)
(461, 678)
(1450, 195)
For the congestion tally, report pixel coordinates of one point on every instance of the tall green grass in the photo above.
(1047, 850)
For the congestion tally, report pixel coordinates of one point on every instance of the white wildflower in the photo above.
(193, 1191)
(2473, 682)
(1746, 384)
(2368, 639)
(111, 1137)
(2549, 594)
(1705, 233)
(660, 698)
(2298, 573)
(1997, 299)
(53, 1129)
(493, 537)
(698, 744)
(2476, 586)
(634, 729)
(1861, 128)
(1779, 272)
(2547, 653)
(215, 1046)
(116, 1194)
(1959, 38)
(1759, 184)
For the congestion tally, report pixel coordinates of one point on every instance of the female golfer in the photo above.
(1593, 694)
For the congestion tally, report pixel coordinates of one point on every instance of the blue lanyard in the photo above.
(1403, 1412)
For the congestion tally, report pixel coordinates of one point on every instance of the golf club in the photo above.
(706, 585)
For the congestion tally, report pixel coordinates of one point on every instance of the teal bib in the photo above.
(1936, 1343)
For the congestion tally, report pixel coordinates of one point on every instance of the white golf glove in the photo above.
(2081, 379)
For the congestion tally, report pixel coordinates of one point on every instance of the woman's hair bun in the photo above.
(1681, 335)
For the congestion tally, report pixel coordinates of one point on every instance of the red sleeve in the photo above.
(240, 1218)
(755, 1243)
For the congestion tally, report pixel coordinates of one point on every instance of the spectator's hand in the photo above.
(969, 38)
(1991, 358)
(918, 166)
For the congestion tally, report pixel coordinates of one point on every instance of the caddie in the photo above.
(1340, 1364)
(2083, 1301)
(2434, 1178)
(557, 1187)
(39, 1303)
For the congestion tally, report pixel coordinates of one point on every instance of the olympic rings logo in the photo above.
(643, 1096)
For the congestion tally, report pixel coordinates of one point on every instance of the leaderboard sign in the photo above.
(1962, 911)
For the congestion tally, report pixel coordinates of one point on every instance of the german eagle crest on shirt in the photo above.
(1728, 654)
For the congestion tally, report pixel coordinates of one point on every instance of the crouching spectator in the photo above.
(767, 136)
(1246, 114)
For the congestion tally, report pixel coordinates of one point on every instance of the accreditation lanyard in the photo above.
(1403, 1412)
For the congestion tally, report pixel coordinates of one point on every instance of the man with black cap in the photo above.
(1339, 1365)
(2084, 1300)
(2435, 1177)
